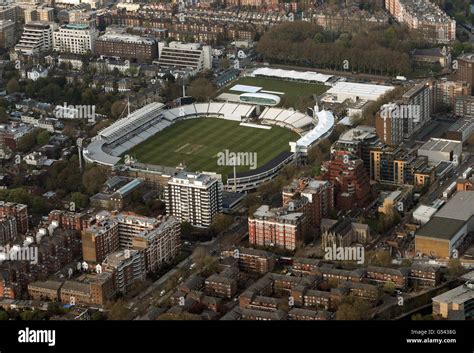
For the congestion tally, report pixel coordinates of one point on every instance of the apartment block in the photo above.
(69, 220)
(251, 260)
(88, 289)
(75, 39)
(160, 245)
(464, 106)
(465, 69)
(425, 17)
(45, 290)
(17, 210)
(276, 227)
(100, 240)
(193, 56)
(448, 91)
(194, 198)
(37, 38)
(425, 275)
(8, 229)
(319, 194)
(127, 46)
(382, 275)
(351, 181)
(127, 268)
(39, 14)
(7, 34)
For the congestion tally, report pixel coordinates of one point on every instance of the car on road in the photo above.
(162, 293)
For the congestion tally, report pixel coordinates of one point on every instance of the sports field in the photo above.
(197, 142)
(292, 90)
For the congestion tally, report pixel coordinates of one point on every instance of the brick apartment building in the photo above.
(17, 210)
(276, 227)
(351, 181)
(127, 46)
(320, 196)
(251, 260)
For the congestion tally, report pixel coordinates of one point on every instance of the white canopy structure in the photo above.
(306, 76)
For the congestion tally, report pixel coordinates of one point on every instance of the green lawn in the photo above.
(196, 143)
(292, 90)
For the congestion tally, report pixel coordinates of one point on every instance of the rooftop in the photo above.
(459, 207)
(457, 295)
(441, 228)
(440, 145)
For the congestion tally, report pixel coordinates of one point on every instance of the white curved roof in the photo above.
(325, 124)
(292, 74)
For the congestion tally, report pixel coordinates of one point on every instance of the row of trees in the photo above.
(384, 51)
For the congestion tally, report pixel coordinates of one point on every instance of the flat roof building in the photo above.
(444, 234)
(355, 91)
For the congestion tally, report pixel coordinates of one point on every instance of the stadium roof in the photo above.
(325, 124)
(292, 74)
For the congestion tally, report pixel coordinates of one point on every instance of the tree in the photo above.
(118, 310)
(43, 137)
(27, 142)
(202, 89)
(455, 267)
(224, 64)
(3, 315)
(4, 119)
(186, 229)
(352, 308)
(381, 258)
(80, 200)
(117, 109)
(389, 287)
(13, 86)
(98, 315)
(221, 222)
(93, 179)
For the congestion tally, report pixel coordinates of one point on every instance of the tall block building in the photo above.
(75, 39)
(448, 91)
(194, 198)
(99, 240)
(465, 70)
(37, 38)
(185, 55)
(351, 180)
(402, 119)
(320, 196)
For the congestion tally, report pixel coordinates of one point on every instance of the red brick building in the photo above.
(17, 210)
(69, 220)
(276, 227)
(320, 196)
(350, 179)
